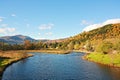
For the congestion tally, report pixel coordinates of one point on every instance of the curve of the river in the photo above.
(59, 67)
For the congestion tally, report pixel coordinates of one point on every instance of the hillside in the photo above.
(89, 39)
(17, 39)
(105, 45)
(105, 32)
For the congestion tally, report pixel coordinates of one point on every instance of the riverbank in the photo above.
(51, 51)
(83, 51)
(9, 57)
(112, 60)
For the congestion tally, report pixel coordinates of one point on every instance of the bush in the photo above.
(104, 47)
(117, 45)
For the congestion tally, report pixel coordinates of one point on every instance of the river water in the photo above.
(59, 67)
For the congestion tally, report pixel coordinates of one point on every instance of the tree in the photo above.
(45, 46)
(2, 45)
(38, 45)
(76, 46)
(27, 44)
(104, 47)
(71, 45)
(89, 46)
(117, 45)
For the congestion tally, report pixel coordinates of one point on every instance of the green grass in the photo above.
(4, 62)
(108, 59)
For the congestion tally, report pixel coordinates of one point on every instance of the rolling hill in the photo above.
(105, 32)
(17, 39)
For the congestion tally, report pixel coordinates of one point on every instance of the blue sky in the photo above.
(53, 19)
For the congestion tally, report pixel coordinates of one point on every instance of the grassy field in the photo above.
(107, 59)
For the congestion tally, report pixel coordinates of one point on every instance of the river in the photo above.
(59, 67)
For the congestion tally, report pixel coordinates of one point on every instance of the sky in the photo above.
(54, 19)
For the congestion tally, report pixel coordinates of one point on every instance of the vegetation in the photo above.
(104, 41)
(53, 51)
(85, 40)
(108, 59)
(8, 57)
(106, 45)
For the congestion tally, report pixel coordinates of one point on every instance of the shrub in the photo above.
(104, 47)
(117, 45)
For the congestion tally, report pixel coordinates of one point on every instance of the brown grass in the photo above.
(9, 57)
(14, 54)
(51, 51)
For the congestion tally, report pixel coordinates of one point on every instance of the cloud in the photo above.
(84, 22)
(4, 25)
(39, 33)
(1, 19)
(7, 30)
(49, 34)
(95, 26)
(13, 15)
(46, 26)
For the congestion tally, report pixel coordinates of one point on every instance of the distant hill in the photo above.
(17, 39)
(56, 40)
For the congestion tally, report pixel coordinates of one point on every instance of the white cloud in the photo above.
(7, 30)
(2, 30)
(39, 33)
(39, 38)
(48, 34)
(1, 19)
(84, 22)
(46, 26)
(13, 15)
(10, 29)
(4, 25)
(95, 26)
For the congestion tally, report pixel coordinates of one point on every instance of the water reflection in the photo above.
(59, 67)
(111, 72)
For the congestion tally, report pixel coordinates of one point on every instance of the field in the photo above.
(107, 59)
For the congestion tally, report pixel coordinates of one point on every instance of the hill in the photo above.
(104, 43)
(91, 38)
(17, 39)
(105, 32)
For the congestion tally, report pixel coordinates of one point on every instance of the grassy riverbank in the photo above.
(83, 51)
(106, 59)
(9, 57)
(51, 51)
